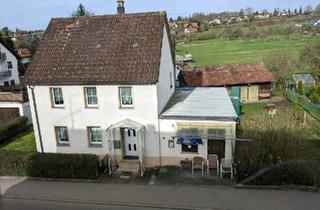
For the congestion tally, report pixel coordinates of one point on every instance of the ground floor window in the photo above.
(94, 134)
(62, 135)
(189, 148)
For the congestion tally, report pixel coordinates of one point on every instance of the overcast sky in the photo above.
(36, 14)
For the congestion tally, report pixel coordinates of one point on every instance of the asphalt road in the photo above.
(30, 194)
(22, 204)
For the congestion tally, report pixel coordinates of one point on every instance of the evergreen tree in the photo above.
(81, 11)
(300, 11)
(295, 11)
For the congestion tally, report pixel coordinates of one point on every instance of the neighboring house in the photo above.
(190, 27)
(173, 25)
(9, 62)
(215, 22)
(103, 85)
(13, 100)
(25, 54)
(249, 82)
(306, 79)
(13, 103)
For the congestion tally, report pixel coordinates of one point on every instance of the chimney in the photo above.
(120, 7)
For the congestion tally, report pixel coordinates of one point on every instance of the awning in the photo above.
(195, 140)
(127, 123)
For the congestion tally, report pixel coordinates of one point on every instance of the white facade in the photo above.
(148, 102)
(8, 75)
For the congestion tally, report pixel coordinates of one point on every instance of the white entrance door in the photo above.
(131, 142)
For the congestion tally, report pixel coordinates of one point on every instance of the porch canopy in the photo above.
(127, 123)
(114, 135)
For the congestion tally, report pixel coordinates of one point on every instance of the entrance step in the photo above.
(132, 166)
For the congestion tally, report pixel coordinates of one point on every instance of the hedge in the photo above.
(13, 127)
(49, 165)
(306, 173)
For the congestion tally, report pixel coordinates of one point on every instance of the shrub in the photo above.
(13, 127)
(13, 163)
(49, 165)
(296, 172)
(274, 141)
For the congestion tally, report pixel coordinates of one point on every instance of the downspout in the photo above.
(36, 115)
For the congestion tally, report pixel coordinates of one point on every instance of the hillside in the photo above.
(220, 51)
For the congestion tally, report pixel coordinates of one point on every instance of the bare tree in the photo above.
(308, 10)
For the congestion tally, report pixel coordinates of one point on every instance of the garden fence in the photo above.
(306, 105)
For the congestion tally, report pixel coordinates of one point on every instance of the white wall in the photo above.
(166, 66)
(169, 128)
(77, 117)
(3, 66)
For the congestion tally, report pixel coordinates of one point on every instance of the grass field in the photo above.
(22, 142)
(217, 51)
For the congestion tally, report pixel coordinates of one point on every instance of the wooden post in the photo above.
(305, 118)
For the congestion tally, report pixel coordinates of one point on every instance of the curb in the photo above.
(273, 187)
(106, 203)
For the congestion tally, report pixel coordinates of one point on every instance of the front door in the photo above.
(131, 143)
(217, 147)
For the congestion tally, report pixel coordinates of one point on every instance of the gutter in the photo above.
(37, 117)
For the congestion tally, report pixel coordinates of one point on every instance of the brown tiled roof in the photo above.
(226, 75)
(24, 53)
(107, 49)
(193, 24)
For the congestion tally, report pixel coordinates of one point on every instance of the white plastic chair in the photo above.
(226, 167)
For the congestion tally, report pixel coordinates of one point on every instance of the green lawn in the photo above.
(23, 142)
(218, 51)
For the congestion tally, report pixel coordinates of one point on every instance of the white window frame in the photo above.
(57, 132)
(53, 98)
(89, 130)
(120, 97)
(87, 98)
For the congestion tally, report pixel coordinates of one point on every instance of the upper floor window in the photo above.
(126, 97)
(91, 96)
(9, 64)
(57, 97)
(62, 135)
(94, 134)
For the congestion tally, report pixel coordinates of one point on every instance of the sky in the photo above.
(36, 14)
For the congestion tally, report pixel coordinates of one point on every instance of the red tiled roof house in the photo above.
(249, 82)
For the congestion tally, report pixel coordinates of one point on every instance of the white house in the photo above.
(102, 85)
(13, 101)
(9, 74)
